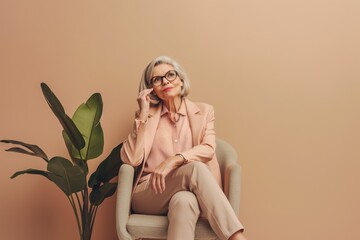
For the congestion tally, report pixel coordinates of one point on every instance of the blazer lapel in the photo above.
(195, 119)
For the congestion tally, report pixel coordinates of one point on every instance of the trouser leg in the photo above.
(213, 202)
(183, 214)
(197, 178)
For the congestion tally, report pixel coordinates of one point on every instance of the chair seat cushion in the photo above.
(151, 226)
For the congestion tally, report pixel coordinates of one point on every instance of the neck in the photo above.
(173, 104)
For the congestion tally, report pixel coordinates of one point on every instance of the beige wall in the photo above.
(283, 77)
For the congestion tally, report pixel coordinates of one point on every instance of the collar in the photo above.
(190, 108)
(181, 111)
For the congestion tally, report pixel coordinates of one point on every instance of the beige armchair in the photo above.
(134, 226)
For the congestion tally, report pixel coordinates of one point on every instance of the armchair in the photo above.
(135, 226)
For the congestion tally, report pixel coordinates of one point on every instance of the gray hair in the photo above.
(145, 82)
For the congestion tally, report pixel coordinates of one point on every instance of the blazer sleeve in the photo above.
(132, 151)
(205, 150)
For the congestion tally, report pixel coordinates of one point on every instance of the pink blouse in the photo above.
(172, 137)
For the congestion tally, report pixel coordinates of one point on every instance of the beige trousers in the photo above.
(190, 189)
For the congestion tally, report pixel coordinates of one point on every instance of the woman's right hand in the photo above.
(144, 103)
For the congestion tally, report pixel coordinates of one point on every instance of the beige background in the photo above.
(283, 76)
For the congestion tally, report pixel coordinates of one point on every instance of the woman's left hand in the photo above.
(157, 178)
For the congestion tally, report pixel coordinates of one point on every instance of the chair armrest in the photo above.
(123, 198)
(232, 180)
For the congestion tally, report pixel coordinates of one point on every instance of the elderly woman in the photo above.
(172, 144)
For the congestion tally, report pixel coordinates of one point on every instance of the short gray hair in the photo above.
(145, 82)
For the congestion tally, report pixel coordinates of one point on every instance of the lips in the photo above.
(167, 89)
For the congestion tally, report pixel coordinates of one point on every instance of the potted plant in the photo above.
(84, 139)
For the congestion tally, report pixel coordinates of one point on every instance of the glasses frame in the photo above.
(162, 78)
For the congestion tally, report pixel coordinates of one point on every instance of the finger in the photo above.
(149, 90)
(162, 183)
(155, 184)
(158, 184)
(145, 94)
(152, 182)
(141, 94)
(146, 91)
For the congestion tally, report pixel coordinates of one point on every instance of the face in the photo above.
(166, 89)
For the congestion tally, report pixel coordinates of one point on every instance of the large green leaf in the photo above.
(70, 148)
(98, 195)
(87, 120)
(34, 150)
(66, 176)
(31, 171)
(68, 125)
(107, 169)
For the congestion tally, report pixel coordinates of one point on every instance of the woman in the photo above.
(172, 144)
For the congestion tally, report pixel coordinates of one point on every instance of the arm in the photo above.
(132, 151)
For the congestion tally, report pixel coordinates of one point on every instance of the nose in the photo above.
(163, 81)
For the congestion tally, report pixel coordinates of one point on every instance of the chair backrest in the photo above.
(225, 154)
(230, 172)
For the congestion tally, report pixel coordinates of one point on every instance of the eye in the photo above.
(157, 79)
(171, 75)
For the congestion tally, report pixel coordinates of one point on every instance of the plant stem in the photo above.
(78, 201)
(91, 211)
(85, 214)
(93, 220)
(71, 200)
(85, 209)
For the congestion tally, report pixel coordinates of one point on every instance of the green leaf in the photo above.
(98, 195)
(87, 120)
(58, 180)
(68, 125)
(20, 150)
(66, 176)
(107, 169)
(34, 150)
(31, 171)
(70, 148)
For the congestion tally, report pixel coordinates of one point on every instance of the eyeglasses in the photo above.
(158, 80)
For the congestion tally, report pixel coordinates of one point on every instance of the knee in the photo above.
(199, 171)
(184, 202)
(199, 167)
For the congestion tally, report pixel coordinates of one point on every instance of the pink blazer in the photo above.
(137, 146)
